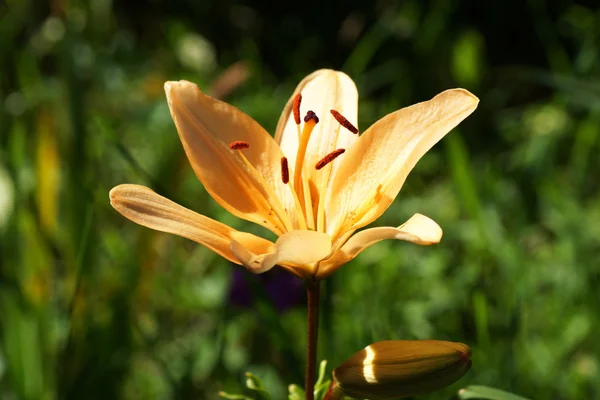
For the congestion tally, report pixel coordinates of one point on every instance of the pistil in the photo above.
(300, 182)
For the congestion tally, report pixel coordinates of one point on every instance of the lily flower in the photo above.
(313, 184)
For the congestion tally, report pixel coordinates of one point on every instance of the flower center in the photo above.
(310, 191)
(307, 194)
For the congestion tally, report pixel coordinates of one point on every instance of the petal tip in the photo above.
(115, 192)
(424, 228)
(467, 94)
(125, 190)
(172, 86)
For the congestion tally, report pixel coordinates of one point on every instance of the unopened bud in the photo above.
(400, 368)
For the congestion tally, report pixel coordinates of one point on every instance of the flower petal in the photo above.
(322, 91)
(145, 207)
(294, 250)
(374, 170)
(206, 127)
(419, 229)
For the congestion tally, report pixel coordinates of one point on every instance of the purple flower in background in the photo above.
(284, 290)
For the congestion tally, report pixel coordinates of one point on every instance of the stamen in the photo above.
(296, 108)
(311, 115)
(285, 172)
(329, 158)
(344, 122)
(238, 145)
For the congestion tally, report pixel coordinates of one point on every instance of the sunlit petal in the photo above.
(145, 207)
(322, 91)
(374, 170)
(295, 250)
(418, 229)
(206, 127)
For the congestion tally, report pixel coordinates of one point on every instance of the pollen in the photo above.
(329, 158)
(296, 108)
(285, 172)
(310, 115)
(238, 145)
(344, 121)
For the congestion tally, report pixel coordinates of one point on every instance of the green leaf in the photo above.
(234, 396)
(320, 388)
(322, 385)
(21, 342)
(322, 370)
(254, 383)
(484, 392)
(295, 392)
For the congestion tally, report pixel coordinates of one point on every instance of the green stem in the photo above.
(312, 292)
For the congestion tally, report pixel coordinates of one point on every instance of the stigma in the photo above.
(311, 116)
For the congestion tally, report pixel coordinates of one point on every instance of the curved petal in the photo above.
(295, 250)
(145, 207)
(374, 170)
(419, 229)
(206, 127)
(322, 91)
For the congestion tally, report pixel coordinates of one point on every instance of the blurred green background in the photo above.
(93, 306)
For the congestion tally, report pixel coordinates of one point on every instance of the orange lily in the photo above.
(314, 184)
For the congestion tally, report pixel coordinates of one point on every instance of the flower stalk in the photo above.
(313, 288)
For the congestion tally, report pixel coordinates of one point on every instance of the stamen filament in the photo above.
(298, 207)
(273, 199)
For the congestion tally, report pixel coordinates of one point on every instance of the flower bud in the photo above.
(400, 368)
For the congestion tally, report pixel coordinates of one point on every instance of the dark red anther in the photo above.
(296, 108)
(285, 172)
(329, 158)
(238, 145)
(344, 122)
